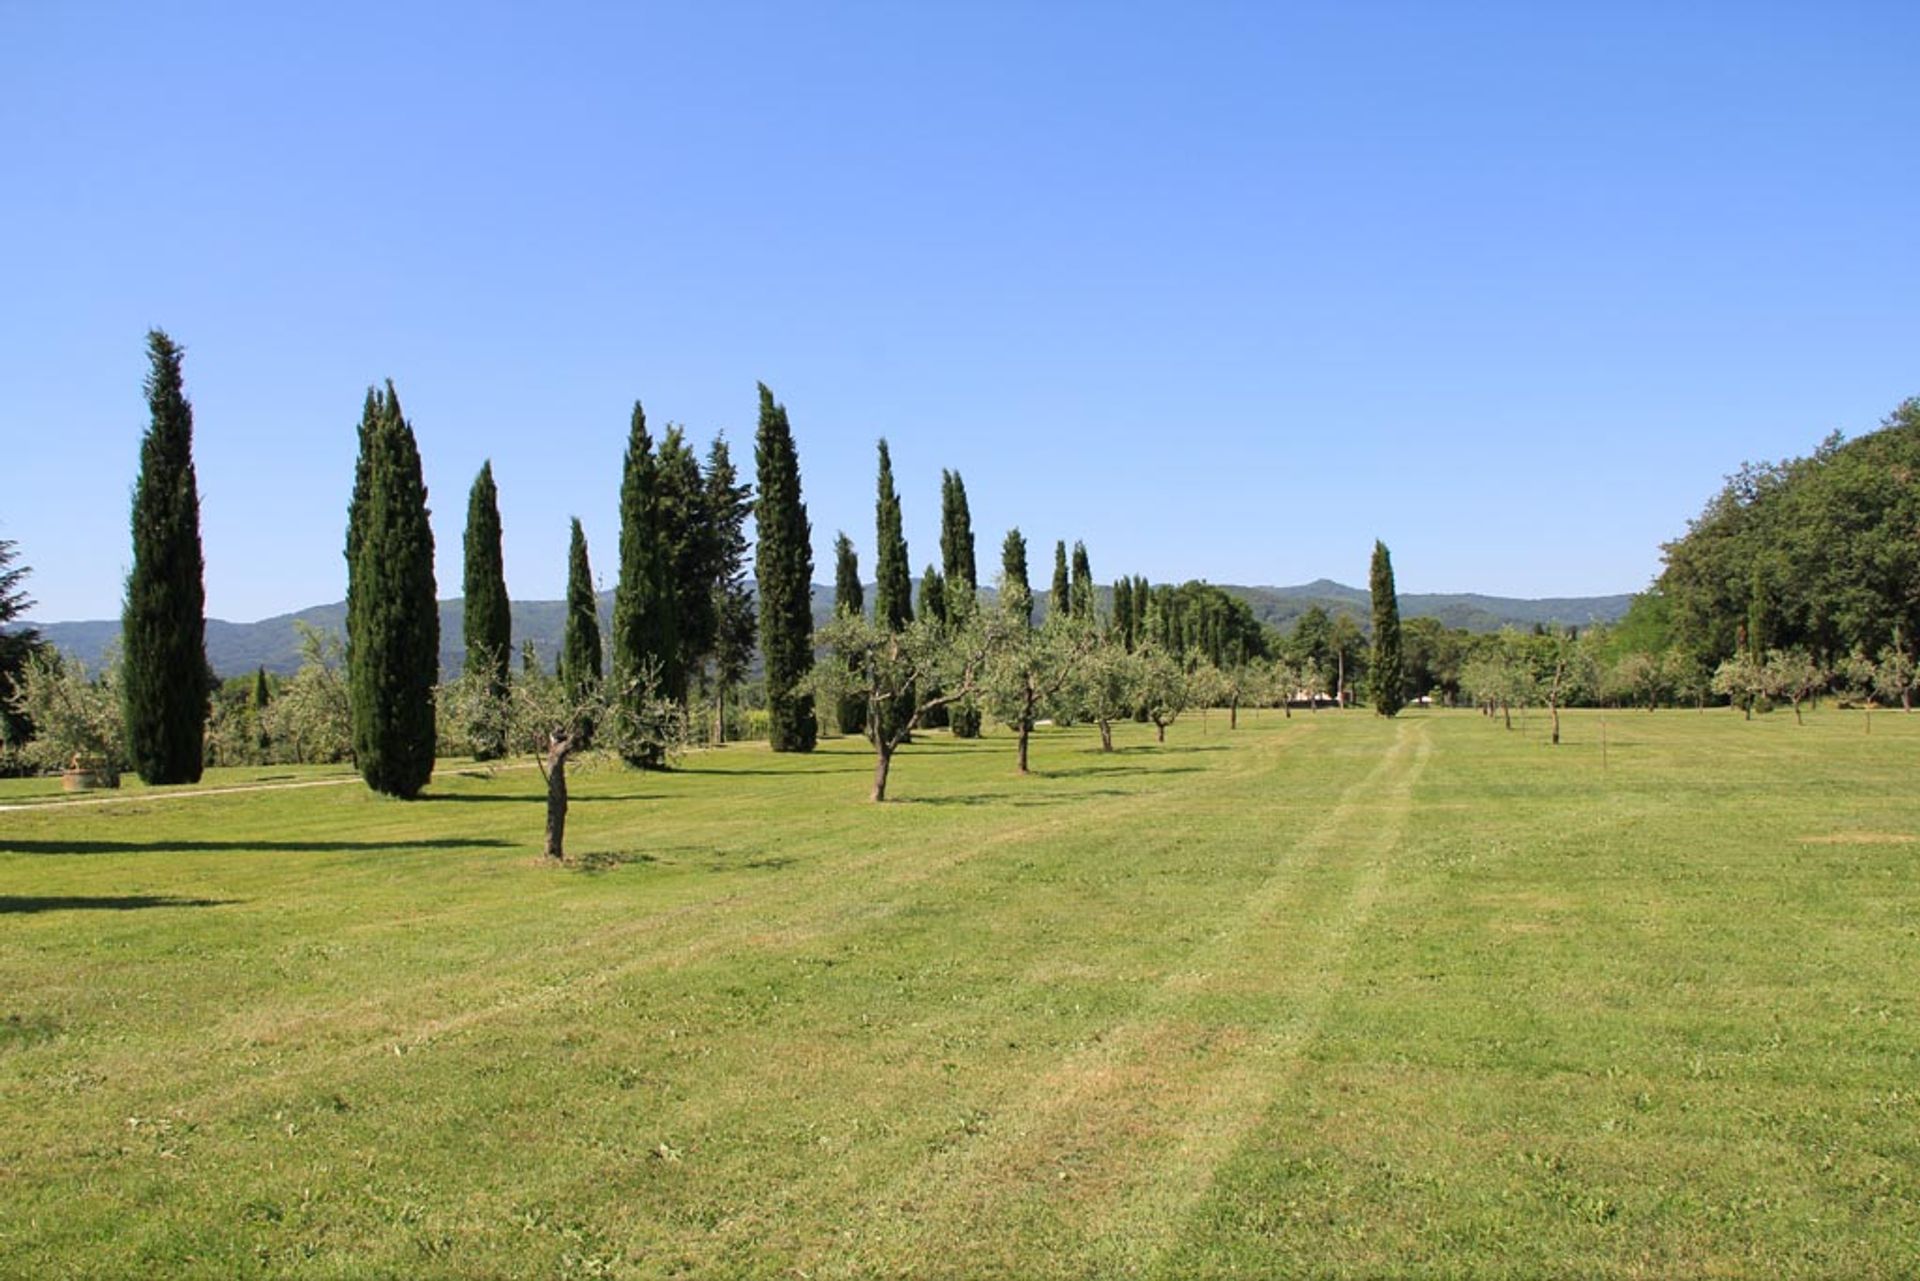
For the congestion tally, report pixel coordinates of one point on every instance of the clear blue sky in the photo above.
(1226, 291)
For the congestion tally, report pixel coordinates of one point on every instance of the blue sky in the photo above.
(1226, 291)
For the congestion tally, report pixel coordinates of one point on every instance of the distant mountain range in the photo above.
(274, 643)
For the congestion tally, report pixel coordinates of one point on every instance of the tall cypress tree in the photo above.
(486, 613)
(956, 534)
(849, 598)
(728, 505)
(783, 568)
(1385, 670)
(1060, 598)
(692, 550)
(580, 649)
(166, 681)
(1123, 612)
(1013, 570)
(961, 582)
(393, 620)
(645, 632)
(1082, 583)
(893, 581)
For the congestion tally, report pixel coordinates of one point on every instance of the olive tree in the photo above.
(78, 720)
(905, 673)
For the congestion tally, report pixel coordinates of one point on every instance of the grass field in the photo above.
(1328, 995)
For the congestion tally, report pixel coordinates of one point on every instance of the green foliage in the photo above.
(1123, 612)
(933, 596)
(1060, 598)
(956, 535)
(690, 535)
(1030, 674)
(393, 619)
(165, 680)
(1817, 552)
(486, 612)
(1081, 591)
(646, 631)
(1164, 688)
(1896, 677)
(580, 670)
(1742, 678)
(1793, 676)
(1014, 582)
(904, 673)
(959, 583)
(77, 718)
(17, 645)
(729, 503)
(1384, 672)
(849, 599)
(893, 581)
(783, 567)
(310, 721)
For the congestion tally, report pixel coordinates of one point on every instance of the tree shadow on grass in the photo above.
(539, 798)
(1014, 800)
(10, 904)
(11, 846)
(1169, 749)
(1129, 771)
(858, 765)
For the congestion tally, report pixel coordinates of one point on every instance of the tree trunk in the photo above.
(719, 719)
(1554, 709)
(558, 746)
(1160, 728)
(1106, 736)
(1506, 712)
(1233, 714)
(1025, 733)
(1796, 713)
(882, 762)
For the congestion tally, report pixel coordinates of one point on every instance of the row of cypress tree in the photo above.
(680, 597)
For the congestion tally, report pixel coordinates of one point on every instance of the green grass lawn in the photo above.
(1328, 995)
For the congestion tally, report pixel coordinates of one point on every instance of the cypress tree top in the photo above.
(164, 626)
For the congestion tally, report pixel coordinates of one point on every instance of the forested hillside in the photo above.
(1820, 553)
